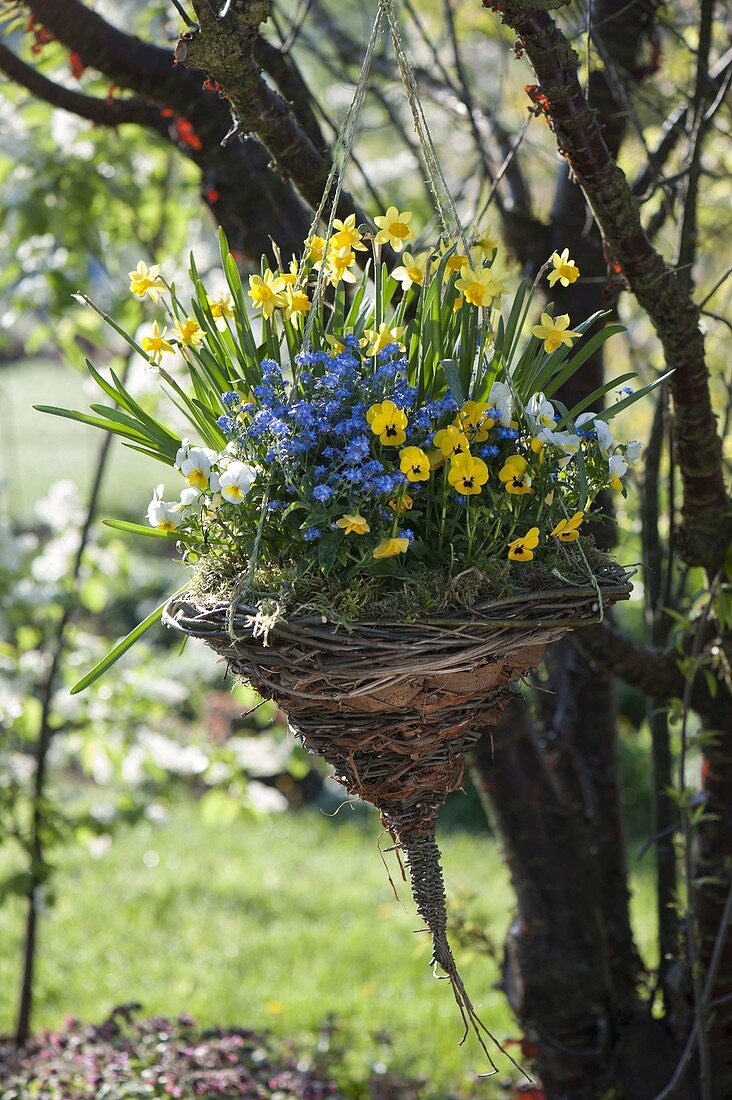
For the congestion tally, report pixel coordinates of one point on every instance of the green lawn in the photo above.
(270, 923)
(36, 450)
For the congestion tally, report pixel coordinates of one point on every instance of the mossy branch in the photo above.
(707, 511)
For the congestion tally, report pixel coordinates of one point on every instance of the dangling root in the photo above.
(428, 887)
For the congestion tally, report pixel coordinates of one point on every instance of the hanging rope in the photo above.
(341, 153)
(435, 175)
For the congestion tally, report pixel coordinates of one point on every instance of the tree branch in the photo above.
(707, 512)
(103, 112)
(224, 48)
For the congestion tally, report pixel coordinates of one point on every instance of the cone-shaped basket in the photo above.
(395, 707)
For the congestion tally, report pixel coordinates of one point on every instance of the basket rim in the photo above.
(569, 600)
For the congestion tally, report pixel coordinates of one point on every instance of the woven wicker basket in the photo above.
(395, 707)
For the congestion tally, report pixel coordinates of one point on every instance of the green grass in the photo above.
(37, 450)
(271, 923)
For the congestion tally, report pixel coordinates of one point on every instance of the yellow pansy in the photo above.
(403, 504)
(412, 270)
(478, 286)
(296, 304)
(565, 270)
(388, 548)
(567, 530)
(156, 345)
(522, 549)
(266, 292)
(347, 235)
(414, 464)
(437, 458)
(555, 332)
(473, 422)
(189, 333)
(146, 280)
(452, 442)
(353, 525)
(514, 476)
(467, 475)
(388, 422)
(394, 228)
(375, 340)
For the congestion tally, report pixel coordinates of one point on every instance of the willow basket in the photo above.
(394, 707)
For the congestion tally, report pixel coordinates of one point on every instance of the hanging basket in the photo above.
(394, 707)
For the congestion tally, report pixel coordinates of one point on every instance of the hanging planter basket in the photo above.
(395, 707)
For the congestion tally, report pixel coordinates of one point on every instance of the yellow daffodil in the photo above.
(315, 247)
(375, 340)
(567, 530)
(454, 264)
(338, 264)
(266, 292)
(565, 270)
(452, 442)
(221, 308)
(388, 422)
(388, 548)
(414, 464)
(336, 345)
(478, 286)
(403, 504)
(412, 270)
(473, 422)
(522, 549)
(347, 235)
(486, 243)
(394, 228)
(146, 280)
(555, 332)
(297, 303)
(289, 277)
(353, 525)
(156, 345)
(189, 333)
(467, 475)
(514, 476)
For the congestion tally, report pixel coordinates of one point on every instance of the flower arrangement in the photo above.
(390, 423)
(390, 429)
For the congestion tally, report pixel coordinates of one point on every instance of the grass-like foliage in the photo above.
(396, 422)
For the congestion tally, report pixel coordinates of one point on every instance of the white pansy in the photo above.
(605, 440)
(236, 481)
(195, 464)
(617, 466)
(633, 451)
(162, 514)
(566, 442)
(189, 496)
(540, 411)
(501, 398)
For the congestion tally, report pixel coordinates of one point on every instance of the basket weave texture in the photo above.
(394, 708)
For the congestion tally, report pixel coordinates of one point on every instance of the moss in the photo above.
(287, 591)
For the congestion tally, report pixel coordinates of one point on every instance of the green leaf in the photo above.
(453, 380)
(608, 414)
(121, 648)
(141, 529)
